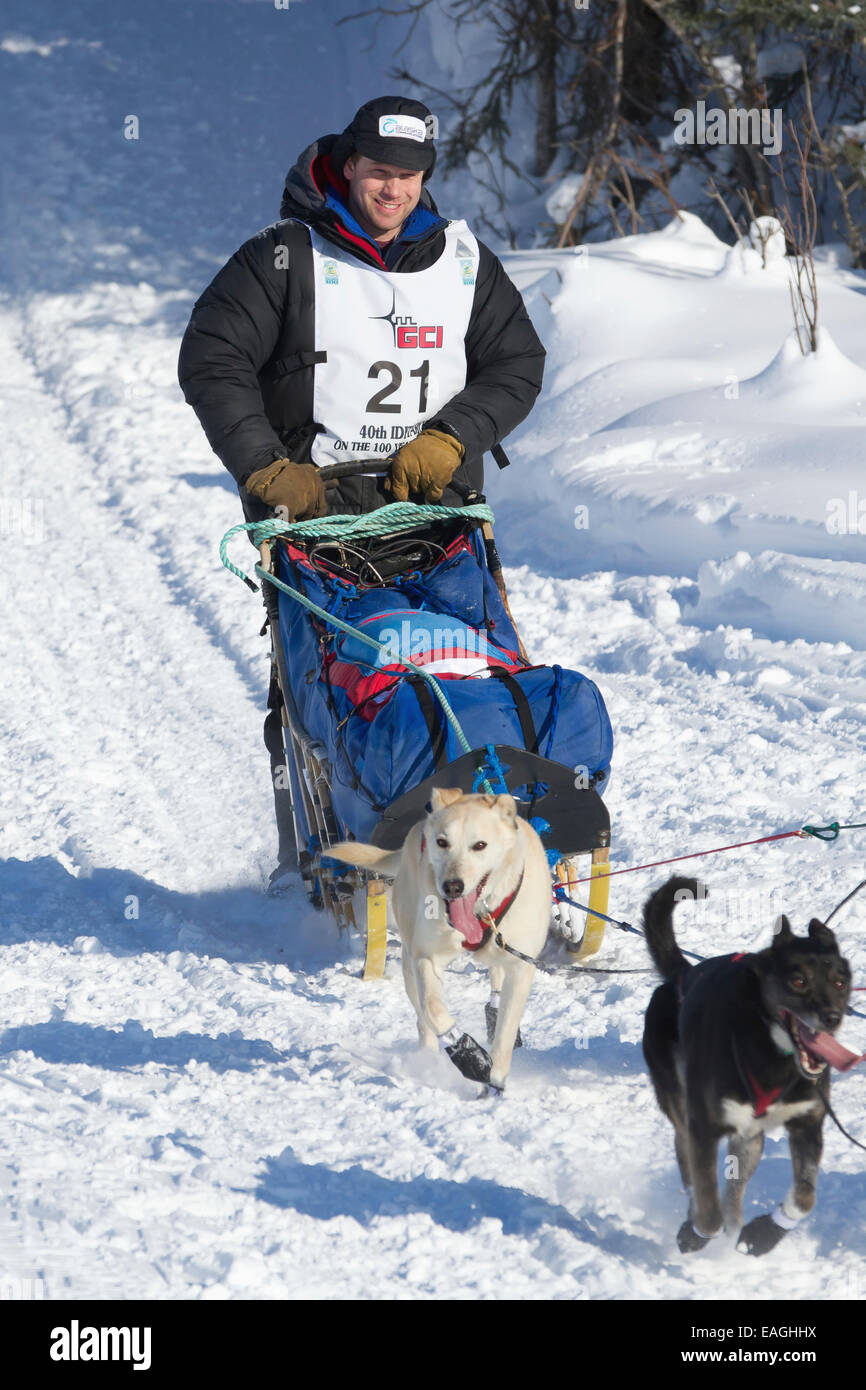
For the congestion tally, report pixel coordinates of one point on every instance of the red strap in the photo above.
(494, 915)
(497, 912)
(485, 937)
(697, 854)
(763, 1099)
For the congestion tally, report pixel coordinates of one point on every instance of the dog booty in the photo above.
(491, 1014)
(468, 1056)
(762, 1235)
(688, 1239)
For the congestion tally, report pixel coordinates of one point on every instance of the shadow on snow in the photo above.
(130, 915)
(314, 1189)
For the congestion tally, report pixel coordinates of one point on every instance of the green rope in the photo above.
(393, 519)
(408, 518)
(831, 832)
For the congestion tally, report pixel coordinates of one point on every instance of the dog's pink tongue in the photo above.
(461, 914)
(825, 1045)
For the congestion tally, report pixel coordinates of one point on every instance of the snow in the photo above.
(826, 596)
(730, 72)
(560, 202)
(857, 132)
(201, 1098)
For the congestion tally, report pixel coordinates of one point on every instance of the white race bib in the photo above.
(395, 346)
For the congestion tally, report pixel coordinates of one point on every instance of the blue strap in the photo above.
(554, 712)
(489, 771)
(542, 828)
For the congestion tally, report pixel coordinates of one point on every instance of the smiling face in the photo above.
(381, 196)
(807, 987)
(468, 838)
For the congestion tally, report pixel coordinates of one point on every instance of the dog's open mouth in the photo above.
(461, 915)
(813, 1051)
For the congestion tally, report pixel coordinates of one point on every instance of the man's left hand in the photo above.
(426, 466)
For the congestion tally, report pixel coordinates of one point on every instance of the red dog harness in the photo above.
(491, 917)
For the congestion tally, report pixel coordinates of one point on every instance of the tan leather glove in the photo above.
(426, 465)
(296, 487)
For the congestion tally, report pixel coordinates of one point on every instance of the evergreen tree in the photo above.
(605, 79)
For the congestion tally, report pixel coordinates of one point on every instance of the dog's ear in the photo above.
(444, 796)
(507, 806)
(823, 935)
(760, 962)
(782, 933)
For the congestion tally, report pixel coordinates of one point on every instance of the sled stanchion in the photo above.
(377, 929)
(290, 747)
(599, 892)
(494, 564)
(567, 873)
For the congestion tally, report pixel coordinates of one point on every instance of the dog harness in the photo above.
(491, 917)
(761, 1099)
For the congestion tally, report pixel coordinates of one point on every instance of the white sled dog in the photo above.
(471, 870)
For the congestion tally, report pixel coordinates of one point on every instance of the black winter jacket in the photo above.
(246, 363)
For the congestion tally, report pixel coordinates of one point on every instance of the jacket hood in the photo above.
(316, 193)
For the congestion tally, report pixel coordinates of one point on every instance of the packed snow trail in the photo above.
(201, 1098)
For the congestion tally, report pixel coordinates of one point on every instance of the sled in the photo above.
(347, 695)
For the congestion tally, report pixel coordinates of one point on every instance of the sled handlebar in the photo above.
(333, 472)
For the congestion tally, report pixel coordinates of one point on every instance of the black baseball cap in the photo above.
(395, 130)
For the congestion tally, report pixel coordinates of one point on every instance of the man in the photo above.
(361, 325)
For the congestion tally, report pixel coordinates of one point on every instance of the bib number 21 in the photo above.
(376, 405)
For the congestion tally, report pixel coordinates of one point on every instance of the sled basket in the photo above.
(388, 613)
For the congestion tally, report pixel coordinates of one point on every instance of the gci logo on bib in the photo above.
(408, 333)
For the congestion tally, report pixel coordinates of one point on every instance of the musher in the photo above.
(361, 325)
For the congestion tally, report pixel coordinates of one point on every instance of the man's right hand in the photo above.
(296, 488)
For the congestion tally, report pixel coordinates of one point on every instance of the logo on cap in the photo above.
(404, 127)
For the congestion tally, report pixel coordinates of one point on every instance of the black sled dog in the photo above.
(738, 1045)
